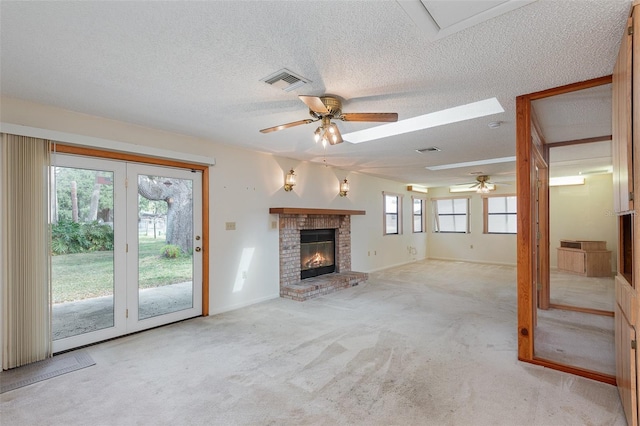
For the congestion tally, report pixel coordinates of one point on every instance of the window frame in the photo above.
(423, 216)
(486, 213)
(436, 215)
(398, 213)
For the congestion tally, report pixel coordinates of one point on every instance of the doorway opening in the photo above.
(563, 132)
(127, 242)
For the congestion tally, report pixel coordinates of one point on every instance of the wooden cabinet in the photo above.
(588, 258)
(621, 147)
(626, 177)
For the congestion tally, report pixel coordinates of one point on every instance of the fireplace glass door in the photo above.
(317, 252)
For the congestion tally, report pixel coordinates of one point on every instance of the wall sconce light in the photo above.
(344, 188)
(289, 181)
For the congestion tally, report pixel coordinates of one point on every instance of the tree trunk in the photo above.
(95, 199)
(74, 201)
(177, 194)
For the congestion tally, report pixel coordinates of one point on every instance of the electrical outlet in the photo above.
(368, 253)
(230, 226)
(274, 224)
(244, 275)
(471, 246)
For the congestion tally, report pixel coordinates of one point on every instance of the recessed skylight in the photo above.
(472, 163)
(426, 121)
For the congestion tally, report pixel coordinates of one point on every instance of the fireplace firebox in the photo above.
(317, 252)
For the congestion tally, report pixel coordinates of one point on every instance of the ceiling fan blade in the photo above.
(314, 103)
(286, 126)
(370, 116)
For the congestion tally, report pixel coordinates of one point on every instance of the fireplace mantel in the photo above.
(296, 210)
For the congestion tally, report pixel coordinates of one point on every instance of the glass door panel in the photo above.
(167, 255)
(84, 217)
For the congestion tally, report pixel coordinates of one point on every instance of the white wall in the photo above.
(583, 212)
(243, 186)
(474, 246)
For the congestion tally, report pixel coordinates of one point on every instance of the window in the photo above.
(392, 213)
(418, 214)
(451, 215)
(500, 215)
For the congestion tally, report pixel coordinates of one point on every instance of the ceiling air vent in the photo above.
(285, 80)
(430, 149)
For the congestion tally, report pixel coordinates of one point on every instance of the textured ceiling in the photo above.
(195, 68)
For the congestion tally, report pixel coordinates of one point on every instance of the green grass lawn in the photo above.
(85, 275)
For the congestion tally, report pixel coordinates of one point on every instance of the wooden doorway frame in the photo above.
(135, 158)
(530, 151)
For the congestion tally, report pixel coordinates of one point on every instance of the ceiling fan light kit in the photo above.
(481, 186)
(326, 108)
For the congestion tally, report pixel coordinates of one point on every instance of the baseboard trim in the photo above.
(223, 309)
(482, 262)
(395, 265)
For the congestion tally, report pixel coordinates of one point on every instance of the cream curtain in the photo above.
(25, 269)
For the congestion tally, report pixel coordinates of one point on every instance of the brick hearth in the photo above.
(294, 220)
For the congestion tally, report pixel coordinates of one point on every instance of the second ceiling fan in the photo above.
(326, 108)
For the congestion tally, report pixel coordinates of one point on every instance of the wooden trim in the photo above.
(454, 197)
(485, 215)
(580, 309)
(587, 84)
(537, 137)
(296, 210)
(112, 155)
(205, 242)
(122, 156)
(583, 372)
(543, 275)
(524, 240)
(603, 138)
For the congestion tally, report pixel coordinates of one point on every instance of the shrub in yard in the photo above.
(68, 236)
(171, 251)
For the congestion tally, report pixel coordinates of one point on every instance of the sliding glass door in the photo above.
(125, 245)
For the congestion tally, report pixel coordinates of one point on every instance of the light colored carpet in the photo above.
(43, 370)
(586, 292)
(428, 343)
(576, 338)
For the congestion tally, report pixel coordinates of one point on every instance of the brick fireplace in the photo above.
(291, 222)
